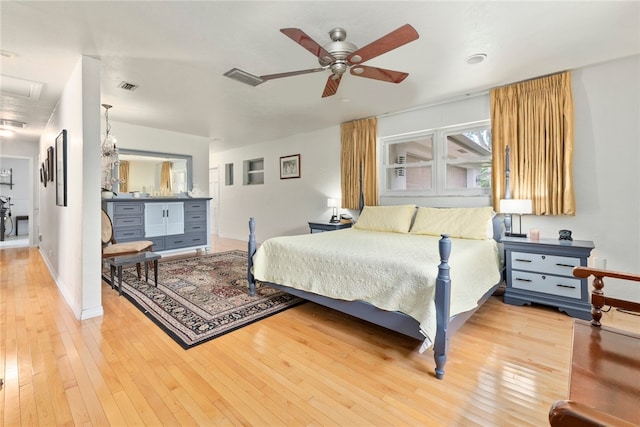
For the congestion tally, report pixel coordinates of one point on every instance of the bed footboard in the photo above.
(442, 302)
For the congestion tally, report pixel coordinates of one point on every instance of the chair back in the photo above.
(107, 229)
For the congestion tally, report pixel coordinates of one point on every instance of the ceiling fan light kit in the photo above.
(339, 56)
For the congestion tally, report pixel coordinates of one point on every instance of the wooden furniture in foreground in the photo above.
(604, 380)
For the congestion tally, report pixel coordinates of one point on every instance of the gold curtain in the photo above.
(123, 176)
(358, 159)
(165, 176)
(535, 119)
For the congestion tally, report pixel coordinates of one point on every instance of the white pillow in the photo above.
(466, 223)
(395, 219)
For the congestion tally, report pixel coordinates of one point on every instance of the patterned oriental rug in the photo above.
(201, 298)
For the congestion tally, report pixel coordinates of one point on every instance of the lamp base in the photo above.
(515, 234)
(334, 219)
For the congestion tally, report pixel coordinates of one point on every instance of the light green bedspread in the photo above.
(394, 272)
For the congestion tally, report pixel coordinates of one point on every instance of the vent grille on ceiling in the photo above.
(12, 123)
(128, 86)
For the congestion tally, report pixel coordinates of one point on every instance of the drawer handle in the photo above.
(177, 241)
(195, 217)
(565, 286)
(523, 260)
(523, 280)
(128, 220)
(128, 234)
(564, 265)
(195, 228)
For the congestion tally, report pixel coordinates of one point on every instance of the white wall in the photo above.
(606, 171)
(24, 193)
(70, 244)
(150, 139)
(281, 206)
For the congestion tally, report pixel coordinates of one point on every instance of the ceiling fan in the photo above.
(340, 55)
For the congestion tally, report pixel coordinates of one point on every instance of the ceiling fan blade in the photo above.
(378, 73)
(394, 39)
(300, 37)
(332, 85)
(291, 73)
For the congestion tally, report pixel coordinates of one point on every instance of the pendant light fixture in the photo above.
(108, 147)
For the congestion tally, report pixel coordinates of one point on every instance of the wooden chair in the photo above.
(110, 248)
(604, 380)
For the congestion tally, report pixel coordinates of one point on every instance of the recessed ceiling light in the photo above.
(476, 58)
(6, 132)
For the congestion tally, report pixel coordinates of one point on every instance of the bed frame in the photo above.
(393, 320)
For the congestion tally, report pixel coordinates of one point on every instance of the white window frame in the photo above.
(439, 162)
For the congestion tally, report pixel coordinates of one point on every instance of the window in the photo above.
(454, 160)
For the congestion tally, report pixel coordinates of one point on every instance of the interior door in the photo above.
(214, 206)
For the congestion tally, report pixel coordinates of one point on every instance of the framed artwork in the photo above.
(50, 163)
(41, 175)
(61, 169)
(43, 169)
(290, 166)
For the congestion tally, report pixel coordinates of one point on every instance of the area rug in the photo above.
(201, 298)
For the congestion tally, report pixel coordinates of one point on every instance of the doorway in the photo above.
(214, 206)
(16, 199)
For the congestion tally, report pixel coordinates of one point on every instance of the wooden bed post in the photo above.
(251, 250)
(443, 299)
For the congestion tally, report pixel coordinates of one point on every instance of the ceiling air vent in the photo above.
(128, 86)
(12, 123)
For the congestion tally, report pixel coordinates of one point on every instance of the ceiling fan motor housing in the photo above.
(339, 49)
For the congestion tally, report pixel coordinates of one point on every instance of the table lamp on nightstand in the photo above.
(335, 204)
(518, 207)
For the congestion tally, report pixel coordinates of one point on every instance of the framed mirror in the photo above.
(142, 171)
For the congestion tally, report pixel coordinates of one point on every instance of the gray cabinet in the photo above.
(128, 222)
(169, 223)
(163, 219)
(541, 271)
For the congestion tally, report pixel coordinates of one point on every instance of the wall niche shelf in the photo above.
(6, 177)
(253, 172)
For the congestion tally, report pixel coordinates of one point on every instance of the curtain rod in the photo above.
(465, 96)
(433, 104)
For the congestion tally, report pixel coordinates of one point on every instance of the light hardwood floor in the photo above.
(305, 366)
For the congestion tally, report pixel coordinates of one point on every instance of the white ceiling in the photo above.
(178, 51)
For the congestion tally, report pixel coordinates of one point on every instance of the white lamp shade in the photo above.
(333, 203)
(516, 206)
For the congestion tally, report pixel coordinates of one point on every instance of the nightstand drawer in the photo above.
(551, 264)
(554, 285)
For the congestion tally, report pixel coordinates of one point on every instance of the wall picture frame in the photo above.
(290, 166)
(61, 168)
(50, 169)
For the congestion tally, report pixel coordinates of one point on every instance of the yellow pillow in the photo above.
(395, 219)
(467, 223)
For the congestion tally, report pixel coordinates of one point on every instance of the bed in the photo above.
(418, 271)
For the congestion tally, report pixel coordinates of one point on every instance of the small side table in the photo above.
(322, 226)
(541, 271)
(122, 261)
